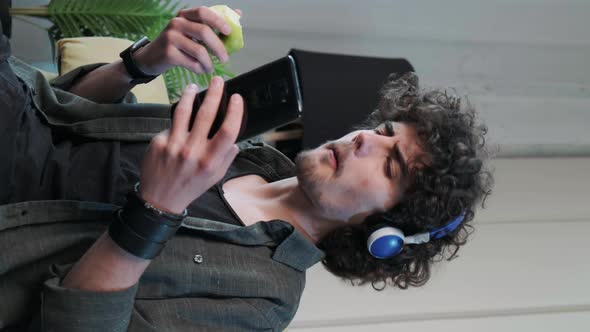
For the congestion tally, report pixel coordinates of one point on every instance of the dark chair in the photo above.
(5, 17)
(339, 91)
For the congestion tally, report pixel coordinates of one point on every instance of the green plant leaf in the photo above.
(125, 19)
(129, 19)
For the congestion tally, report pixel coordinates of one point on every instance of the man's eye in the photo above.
(386, 130)
(379, 131)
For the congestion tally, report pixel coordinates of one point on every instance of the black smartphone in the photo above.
(272, 98)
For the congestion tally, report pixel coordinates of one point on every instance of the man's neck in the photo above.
(285, 200)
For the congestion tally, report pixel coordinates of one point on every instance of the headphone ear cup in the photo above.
(385, 241)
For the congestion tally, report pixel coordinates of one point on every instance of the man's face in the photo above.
(361, 173)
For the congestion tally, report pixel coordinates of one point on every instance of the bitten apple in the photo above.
(235, 40)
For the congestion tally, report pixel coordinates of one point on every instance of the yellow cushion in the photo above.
(76, 52)
(49, 75)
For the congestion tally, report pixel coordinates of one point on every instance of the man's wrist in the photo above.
(168, 213)
(141, 229)
(125, 77)
(141, 58)
(130, 64)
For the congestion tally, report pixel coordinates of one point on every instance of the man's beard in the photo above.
(313, 183)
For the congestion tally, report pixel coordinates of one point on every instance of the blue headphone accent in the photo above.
(386, 241)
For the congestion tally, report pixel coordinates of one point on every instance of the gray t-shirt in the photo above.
(212, 204)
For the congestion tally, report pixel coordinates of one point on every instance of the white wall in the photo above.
(524, 63)
(526, 267)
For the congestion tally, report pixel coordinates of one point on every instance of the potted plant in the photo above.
(129, 19)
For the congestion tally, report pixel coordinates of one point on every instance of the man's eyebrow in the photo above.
(397, 154)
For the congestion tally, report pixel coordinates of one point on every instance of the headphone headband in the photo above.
(446, 229)
(386, 242)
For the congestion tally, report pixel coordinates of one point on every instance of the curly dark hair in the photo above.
(454, 180)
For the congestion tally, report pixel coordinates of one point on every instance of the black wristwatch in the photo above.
(138, 76)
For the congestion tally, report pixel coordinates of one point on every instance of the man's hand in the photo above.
(180, 165)
(186, 41)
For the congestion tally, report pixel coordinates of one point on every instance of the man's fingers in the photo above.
(183, 112)
(184, 60)
(206, 35)
(238, 11)
(207, 111)
(207, 16)
(196, 51)
(229, 130)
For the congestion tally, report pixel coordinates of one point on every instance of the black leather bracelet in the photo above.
(141, 231)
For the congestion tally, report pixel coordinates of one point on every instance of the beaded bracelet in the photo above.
(148, 206)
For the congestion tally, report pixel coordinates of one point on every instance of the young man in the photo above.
(90, 232)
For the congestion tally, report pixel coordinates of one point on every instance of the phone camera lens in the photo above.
(280, 89)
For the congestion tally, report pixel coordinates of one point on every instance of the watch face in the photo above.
(139, 44)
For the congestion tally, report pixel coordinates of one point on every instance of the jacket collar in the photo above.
(291, 247)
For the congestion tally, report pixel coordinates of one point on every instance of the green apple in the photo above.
(235, 40)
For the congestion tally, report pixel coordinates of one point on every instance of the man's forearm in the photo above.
(106, 84)
(105, 267)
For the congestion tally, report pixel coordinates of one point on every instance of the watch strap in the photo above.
(137, 75)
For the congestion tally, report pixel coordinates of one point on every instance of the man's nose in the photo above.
(367, 143)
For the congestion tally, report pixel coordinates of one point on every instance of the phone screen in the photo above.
(272, 98)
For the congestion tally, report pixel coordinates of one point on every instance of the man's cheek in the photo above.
(353, 192)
